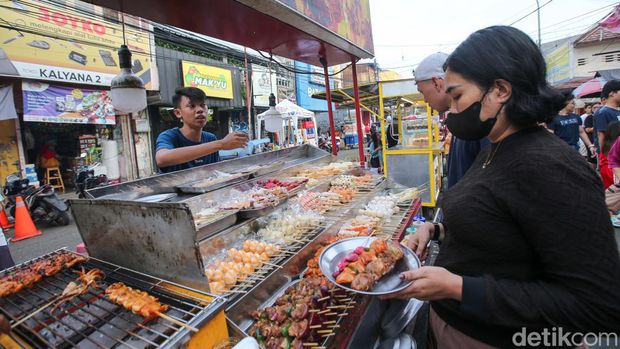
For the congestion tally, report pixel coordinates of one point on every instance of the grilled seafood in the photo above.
(138, 302)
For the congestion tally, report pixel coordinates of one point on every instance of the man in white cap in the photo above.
(429, 77)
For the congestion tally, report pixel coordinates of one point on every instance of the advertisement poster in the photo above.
(215, 82)
(263, 84)
(60, 104)
(306, 87)
(558, 64)
(348, 18)
(72, 42)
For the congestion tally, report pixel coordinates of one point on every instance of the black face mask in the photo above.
(467, 125)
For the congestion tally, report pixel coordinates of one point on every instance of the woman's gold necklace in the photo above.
(491, 155)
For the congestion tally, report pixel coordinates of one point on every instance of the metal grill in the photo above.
(93, 321)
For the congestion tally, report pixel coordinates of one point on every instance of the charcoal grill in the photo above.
(93, 321)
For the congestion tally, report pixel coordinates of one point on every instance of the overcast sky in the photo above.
(406, 31)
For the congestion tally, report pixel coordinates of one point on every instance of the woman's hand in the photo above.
(429, 284)
(418, 241)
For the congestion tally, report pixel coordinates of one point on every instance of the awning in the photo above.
(280, 27)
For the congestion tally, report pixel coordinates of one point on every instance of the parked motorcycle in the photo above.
(43, 203)
(324, 144)
(85, 179)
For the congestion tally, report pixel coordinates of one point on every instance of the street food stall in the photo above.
(221, 241)
(417, 159)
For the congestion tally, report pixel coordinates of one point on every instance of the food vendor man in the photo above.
(189, 146)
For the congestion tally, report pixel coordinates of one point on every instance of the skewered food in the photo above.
(80, 286)
(32, 273)
(139, 302)
(274, 182)
(359, 226)
(239, 265)
(290, 227)
(363, 267)
(255, 198)
(297, 315)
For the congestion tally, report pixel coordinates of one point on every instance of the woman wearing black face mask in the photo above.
(518, 252)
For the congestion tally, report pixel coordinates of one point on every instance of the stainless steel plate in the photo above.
(388, 284)
(156, 198)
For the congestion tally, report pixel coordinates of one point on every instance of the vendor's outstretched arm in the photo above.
(171, 157)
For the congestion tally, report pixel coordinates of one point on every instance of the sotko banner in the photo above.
(70, 41)
(61, 104)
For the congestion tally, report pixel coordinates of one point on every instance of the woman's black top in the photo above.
(532, 238)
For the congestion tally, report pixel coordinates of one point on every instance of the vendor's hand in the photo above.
(418, 241)
(430, 283)
(234, 140)
(5, 327)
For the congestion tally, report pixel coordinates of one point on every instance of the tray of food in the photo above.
(305, 314)
(261, 170)
(368, 265)
(216, 181)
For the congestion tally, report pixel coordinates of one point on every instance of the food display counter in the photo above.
(244, 242)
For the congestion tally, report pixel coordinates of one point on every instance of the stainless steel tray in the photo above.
(388, 284)
(191, 188)
(259, 212)
(273, 167)
(209, 228)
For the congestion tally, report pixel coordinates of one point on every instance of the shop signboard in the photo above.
(214, 81)
(350, 19)
(558, 65)
(62, 104)
(263, 84)
(306, 87)
(71, 42)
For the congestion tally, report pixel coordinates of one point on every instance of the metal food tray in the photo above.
(209, 228)
(248, 322)
(189, 188)
(273, 167)
(260, 212)
(93, 321)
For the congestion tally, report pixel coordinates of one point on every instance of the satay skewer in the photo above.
(176, 322)
(22, 320)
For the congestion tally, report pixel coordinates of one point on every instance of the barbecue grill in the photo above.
(93, 321)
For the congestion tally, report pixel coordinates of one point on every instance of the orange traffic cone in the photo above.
(4, 220)
(24, 227)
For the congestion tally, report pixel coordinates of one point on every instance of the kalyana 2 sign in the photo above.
(215, 82)
(71, 42)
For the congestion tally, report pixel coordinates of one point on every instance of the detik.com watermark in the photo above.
(557, 336)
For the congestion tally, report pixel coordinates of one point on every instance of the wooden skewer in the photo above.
(273, 265)
(323, 299)
(315, 326)
(333, 313)
(329, 322)
(311, 344)
(177, 322)
(325, 331)
(22, 320)
(343, 314)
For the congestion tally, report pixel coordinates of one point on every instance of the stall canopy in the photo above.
(289, 109)
(292, 29)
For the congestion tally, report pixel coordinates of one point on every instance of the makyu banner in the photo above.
(72, 42)
(214, 81)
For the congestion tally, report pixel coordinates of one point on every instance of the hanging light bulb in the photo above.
(273, 118)
(127, 89)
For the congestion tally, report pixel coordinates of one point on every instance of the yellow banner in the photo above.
(215, 82)
(76, 42)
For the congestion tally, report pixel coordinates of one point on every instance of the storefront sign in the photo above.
(215, 82)
(61, 104)
(306, 88)
(558, 65)
(348, 18)
(263, 84)
(74, 43)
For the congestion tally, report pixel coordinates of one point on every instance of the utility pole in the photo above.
(538, 10)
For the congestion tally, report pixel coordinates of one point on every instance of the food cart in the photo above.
(162, 235)
(417, 160)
